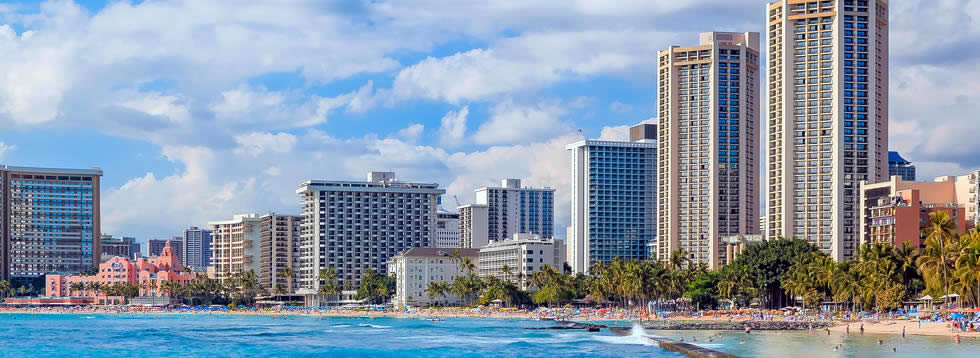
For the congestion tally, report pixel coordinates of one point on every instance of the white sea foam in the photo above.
(340, 326)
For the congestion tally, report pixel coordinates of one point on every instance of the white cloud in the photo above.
(620, 107)
(254, 144)
(511, 123)
(4, 149)
(412, 132)
(453, 128)
(273, 171)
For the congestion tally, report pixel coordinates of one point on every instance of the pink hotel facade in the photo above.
(147, 273)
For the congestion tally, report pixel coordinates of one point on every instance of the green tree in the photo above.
(328, 282)
(938, 259)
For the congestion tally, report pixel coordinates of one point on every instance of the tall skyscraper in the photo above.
(353, 226)
(49, 221)
(828, 117)
(709, 145)
(197, 248)
(614, 197)
(900, 167)
(279, 252)
(513, 209)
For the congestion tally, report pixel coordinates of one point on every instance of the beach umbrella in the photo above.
(957, 316)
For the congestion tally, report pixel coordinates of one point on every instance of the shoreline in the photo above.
(884, 327)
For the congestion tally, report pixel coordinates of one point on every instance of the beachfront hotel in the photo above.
(49, 221)
(353, 226)
(236, 245)
(827, 116)
(146, 273)
(416, 268)
(518, 258)
(279, 237)
(708, 121)
(614, 199)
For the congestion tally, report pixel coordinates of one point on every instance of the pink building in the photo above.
(896, 211)
(147, 273)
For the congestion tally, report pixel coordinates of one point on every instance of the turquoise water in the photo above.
(125, 335)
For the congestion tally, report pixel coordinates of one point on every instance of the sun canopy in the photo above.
(926, 298)
(949, 296)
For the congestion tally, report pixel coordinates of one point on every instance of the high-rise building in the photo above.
(474, 227)
(898, 166)
(49, 221)
(156, 247)
(236, 246)
(513, 209)
(197, 248)
(353, 226)
(614, 201)
(828, 117)
(118, 246)
(447, 229)
(280, 252)
(709, 145)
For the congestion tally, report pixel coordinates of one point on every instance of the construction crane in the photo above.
(457, 201)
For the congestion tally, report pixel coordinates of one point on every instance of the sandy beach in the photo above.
(894, 327)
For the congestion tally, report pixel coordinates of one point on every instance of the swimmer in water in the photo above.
(880, 342)
(741, 342)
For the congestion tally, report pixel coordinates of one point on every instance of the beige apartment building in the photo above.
(279, 252)
(709, 145)
(235, 245)
(827, 116)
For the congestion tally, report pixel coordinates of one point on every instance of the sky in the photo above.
(199, 110)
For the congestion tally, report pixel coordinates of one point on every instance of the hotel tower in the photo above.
(709, 145)
(827, 115)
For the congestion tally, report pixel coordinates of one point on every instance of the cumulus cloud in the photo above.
(254, 144)
(511, 123)
(453, 128)
(412, 132)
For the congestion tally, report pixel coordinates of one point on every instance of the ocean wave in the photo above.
(630, 340)
(340, 326)
(373, 326)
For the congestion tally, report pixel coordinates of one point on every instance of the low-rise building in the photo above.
(147, 273)
(416, 268)
(736, 244)
(519, 258)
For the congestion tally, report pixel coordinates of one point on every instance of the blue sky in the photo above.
(198, 110)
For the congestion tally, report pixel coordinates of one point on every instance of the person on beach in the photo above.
(903, 332)
(862, 329)
(848, 330)
(748, 330)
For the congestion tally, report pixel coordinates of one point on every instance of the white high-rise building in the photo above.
(513, 209)
(827, 117)
(353, 226)
(473, 226)
(447, 229)
(614, 199)
(709, 145)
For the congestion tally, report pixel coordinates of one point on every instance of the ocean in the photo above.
(188, 335)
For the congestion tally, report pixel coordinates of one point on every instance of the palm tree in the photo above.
(968, 266)
(4, 288)
(938, 258)
(286, 273)
(467, 265)
(507, 271)
(434, 291)
(678, 259)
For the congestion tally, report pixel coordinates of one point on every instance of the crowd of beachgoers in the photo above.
(937, 324)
